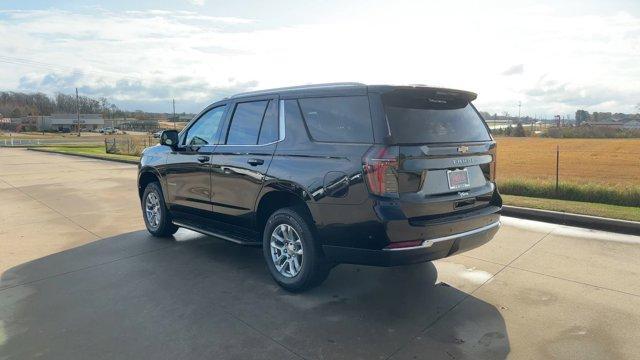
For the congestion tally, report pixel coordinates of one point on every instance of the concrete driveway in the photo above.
(82, 279)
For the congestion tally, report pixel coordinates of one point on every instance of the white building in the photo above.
(58, 122)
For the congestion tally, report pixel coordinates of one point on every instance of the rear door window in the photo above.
(338, 119)
(246, 122)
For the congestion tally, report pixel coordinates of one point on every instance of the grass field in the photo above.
(604, 171)
(612, 162)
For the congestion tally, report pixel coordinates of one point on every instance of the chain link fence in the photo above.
(128, 145)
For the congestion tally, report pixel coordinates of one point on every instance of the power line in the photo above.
(55, 67)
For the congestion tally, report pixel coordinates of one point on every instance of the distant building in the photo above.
(609, 124)
(60, 122)
(139, 125)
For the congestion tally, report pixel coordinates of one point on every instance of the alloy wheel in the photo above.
(152, 210)
(286, 250)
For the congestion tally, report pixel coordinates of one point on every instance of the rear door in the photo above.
(444, 149)
(240, 162)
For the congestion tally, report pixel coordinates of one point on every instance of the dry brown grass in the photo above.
(600, 161)
(164, 125)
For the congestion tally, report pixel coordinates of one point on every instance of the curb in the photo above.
(583, 221)
(97, 157)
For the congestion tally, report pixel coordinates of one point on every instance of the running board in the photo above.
(217, 233)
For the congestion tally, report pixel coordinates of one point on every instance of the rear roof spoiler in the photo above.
(445, 92)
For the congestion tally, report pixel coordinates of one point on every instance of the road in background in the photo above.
(82, 279)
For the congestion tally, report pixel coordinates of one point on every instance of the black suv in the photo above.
(325, 174)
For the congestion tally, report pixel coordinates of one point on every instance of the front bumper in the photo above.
(431, 249)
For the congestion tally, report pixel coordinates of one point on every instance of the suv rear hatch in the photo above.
(439, 158)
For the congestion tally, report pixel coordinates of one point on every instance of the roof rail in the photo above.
(300, 87)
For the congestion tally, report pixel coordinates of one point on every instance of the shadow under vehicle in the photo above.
(135, 296)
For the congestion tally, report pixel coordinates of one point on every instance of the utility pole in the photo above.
(519, 106)
(173, 101)
(78, 110)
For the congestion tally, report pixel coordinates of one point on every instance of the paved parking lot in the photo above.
(80, 278)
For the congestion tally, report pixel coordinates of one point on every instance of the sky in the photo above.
(552, 57)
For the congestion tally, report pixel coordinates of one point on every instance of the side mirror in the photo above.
(169, 138)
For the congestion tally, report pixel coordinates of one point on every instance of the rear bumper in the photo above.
(431, 249)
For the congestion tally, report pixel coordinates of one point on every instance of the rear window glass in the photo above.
(245, 125)
(435, 121)
(338, 119)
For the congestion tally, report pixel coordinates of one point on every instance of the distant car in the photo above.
(107, 131)
(157, 134)
(327, 174)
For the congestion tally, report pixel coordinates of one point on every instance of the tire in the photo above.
(312, 270)
(162, 225)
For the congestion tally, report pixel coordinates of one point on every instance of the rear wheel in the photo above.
(293, 257)
(154, 209)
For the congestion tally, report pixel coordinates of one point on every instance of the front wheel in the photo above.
(154, 209)
(292, 255)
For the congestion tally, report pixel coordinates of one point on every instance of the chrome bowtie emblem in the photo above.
(463, 149)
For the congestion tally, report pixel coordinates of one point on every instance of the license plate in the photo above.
(458, 179)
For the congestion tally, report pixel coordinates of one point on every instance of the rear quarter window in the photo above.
(343, 119)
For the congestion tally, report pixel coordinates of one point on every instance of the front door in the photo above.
(188, 170)
(240, 162)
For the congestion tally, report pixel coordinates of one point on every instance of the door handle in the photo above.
(203, 158)
(255, 162)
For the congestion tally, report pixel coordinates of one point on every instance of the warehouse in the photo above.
(63, 122)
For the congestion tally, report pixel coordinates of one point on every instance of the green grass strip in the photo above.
(575, 207)
(594, 193)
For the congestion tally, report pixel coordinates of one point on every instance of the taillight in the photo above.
(494, 162)
(381, 170)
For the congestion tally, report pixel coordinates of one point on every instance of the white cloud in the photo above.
(197, 2)
(571, 60)
(514, 70)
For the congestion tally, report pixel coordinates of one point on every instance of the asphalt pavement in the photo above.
(81, 278)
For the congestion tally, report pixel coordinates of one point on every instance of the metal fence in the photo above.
(128, 145)
(20, 142)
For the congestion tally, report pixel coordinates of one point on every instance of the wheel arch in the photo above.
(273, 198)
(148, 175)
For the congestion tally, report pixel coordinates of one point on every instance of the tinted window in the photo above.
(205, 130)
(269, 129)
(245, 125)
(338, 119)
(424, 124)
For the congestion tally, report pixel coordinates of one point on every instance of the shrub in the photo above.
(519, 131)
(587, 132)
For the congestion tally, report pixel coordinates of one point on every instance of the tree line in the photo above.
(583, 116)
(17, 104)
